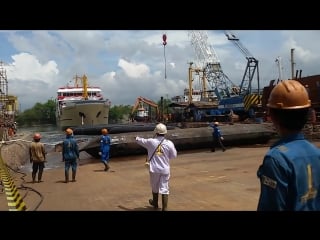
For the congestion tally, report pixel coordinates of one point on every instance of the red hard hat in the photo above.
(36, 136)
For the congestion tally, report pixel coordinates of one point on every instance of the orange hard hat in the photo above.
(36, 136)
(289, 94)
(69, 131)
(104, 131)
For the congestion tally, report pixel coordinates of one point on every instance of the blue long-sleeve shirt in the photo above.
(216, 131)
(290, 176)
(70, 150)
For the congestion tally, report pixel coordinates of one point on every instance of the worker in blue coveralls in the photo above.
(290, 172)
(217, 137)
(105, 141)
(70, 155)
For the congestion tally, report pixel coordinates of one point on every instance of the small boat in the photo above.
(123, 144)
(81, 105)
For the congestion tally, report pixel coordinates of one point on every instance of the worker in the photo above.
(216, 137)
(70, 155)
(289, 174)
(105, 142)
(160, 152)
(37, 155)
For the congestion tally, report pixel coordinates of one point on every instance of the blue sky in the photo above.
(128, 64)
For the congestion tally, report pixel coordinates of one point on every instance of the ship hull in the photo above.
(82, 113)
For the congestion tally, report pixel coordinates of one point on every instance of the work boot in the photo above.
(165, 202)
(33, 177)
(40, 176)
(66, 177)
(106, 166)
(154, 202)
(74, 176)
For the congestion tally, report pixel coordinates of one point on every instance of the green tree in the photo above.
(119, 113)
(38, 114)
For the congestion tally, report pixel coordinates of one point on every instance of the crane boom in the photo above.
(210, 63)
(139, 102)
(251, 68)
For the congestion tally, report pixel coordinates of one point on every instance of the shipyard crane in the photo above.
(208, 60)
(240, 99)
(251, 68)
(249, 101)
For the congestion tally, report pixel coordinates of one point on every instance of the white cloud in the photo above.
(27, 67)
(134, 70)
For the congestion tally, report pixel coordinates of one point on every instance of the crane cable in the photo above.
(164, 38)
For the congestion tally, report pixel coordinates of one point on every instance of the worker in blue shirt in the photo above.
(105, 142)
(290, 172)
(217, 137)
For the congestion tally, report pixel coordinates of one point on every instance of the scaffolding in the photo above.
(7, 107)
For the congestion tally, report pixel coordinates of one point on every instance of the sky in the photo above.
(127, 64)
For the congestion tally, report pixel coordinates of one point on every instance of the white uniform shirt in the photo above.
(160, 162)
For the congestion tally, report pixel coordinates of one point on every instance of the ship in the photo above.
(81, 105)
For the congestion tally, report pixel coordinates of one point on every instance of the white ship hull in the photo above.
(82, 113)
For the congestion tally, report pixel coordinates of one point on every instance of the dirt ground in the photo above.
(200, 181)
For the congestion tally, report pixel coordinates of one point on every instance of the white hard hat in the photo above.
(216, 123)
(161, 129)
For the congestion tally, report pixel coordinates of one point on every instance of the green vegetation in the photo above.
(38, 114)
(119, 113)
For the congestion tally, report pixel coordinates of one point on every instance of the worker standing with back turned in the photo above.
(37, 155)
(160, 152)
(70, 155)
(290, 172)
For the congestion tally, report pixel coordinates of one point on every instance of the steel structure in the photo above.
(6, 117)
(241, 98)
(252, 67)
(208, 60)
(141, 111)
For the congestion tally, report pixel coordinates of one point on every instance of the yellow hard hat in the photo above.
(289, 94)
(69, 131)
(104, 131)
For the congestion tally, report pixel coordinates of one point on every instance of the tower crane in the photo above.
(208, 60)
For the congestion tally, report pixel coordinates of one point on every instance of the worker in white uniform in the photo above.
(160, 152)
